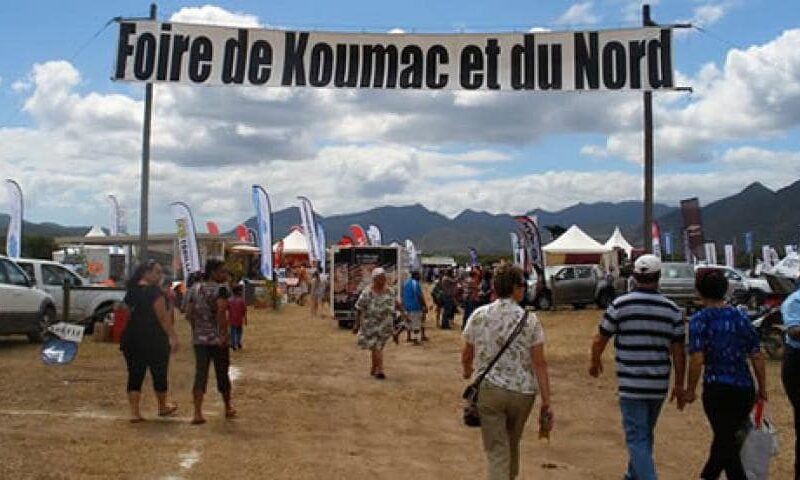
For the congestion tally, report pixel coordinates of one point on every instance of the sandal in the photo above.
(170, 411)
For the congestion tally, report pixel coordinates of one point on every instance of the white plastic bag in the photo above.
(760, 445)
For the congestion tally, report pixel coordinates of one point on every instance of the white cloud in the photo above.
(213, 15)
(708, 14)
(755, 95)
(579, 14)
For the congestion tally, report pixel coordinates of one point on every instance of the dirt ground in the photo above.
(309, 409)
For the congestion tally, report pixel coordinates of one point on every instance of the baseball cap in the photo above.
(377, 272)
(647, 264)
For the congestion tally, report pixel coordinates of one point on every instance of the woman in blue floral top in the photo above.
(721, 341)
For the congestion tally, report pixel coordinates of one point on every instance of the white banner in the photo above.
(264, 229)
(729, 258)
(625, 59)
(15, 212)
(375, 236)
(711, 253)
(68, 331)
(187, 238)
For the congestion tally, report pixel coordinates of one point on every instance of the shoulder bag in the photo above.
(472, 417)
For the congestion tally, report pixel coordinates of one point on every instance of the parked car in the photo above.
(24, 309)
(87, 306)
(576, 285)
(677, 284)
(738, 286)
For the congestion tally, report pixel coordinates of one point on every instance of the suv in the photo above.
(87, 305)
(576, 285)
(677, 284)
(23, 309)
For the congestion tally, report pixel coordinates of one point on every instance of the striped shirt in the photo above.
(644, 325)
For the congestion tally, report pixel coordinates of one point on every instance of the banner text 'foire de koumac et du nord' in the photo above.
(605, 60)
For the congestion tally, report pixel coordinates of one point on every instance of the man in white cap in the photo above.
(374, 325)
(648, 329)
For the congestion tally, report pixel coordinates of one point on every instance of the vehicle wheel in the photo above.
(544, 302)
(604, 300)
(102, 314)
(773, 344)
(46, 319)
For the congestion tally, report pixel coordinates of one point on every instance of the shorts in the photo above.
(415, 321)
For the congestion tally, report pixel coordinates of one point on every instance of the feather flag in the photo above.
(321, 243)
(532, 241)
(656, 234)
(309, 221)
(413, 255)
(473, 257)
(359, 236)
(264, 230)
(187, 238)
(241, 233)
(212, 228)
(375, 235)
(16, 207)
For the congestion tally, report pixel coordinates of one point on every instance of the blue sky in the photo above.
(69, 134)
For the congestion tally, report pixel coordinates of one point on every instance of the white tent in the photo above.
(293, 244)
(95, 232)
(618, 241)
(575, 241)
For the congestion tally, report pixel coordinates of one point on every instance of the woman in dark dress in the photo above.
(148, 339)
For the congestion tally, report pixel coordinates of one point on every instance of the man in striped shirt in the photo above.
(648, 329)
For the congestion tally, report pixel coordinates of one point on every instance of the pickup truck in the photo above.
(576, 285)
(87, 305)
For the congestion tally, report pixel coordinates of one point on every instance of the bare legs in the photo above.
(134, 399)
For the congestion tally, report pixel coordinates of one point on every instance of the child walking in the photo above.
(237, 313)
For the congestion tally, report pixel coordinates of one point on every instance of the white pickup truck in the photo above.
(87, 305)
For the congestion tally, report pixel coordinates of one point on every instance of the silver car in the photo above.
(677, 284)
(576, 285)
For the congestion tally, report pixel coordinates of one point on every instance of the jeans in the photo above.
(639, 419)
(236, 336)
(469, 307)
(790, 374)
(727, 409)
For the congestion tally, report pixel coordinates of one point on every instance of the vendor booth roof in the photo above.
(575, 241)
(618, 241)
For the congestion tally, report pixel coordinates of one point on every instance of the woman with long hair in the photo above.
(148, 339)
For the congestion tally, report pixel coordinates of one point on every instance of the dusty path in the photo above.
(310, 410)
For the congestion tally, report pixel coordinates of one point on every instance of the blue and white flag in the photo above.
(668, 244)
(748, 242)
(115, 228)
(14, 234)
(187, 238)
(473, 257)
(264, 229)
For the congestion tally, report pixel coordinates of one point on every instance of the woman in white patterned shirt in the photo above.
(508, 392)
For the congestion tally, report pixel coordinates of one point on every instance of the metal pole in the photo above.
(145, 193)
(647, 227)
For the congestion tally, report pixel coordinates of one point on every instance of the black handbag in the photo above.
(472, 417)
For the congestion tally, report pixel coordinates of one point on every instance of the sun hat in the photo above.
(377, 272)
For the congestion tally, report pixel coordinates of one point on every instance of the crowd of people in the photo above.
(504, 347)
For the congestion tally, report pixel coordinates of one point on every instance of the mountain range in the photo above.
(772, 216)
